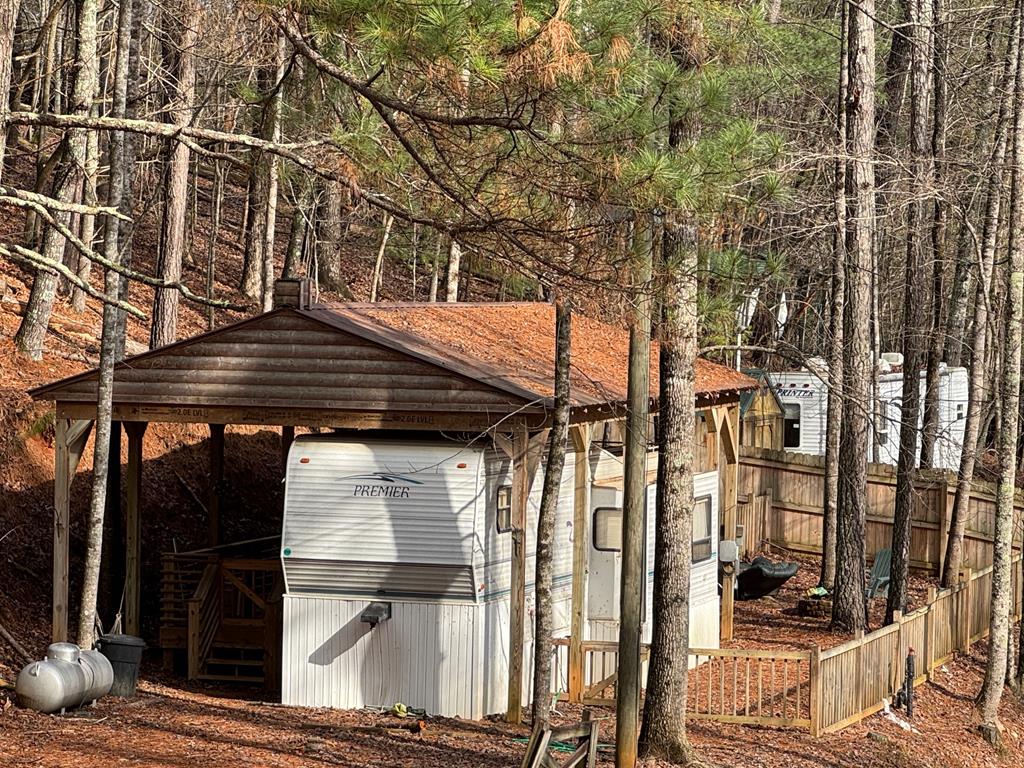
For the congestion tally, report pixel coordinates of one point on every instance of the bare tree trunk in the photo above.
(936, 340)
(1002, 546)
(834, 407)
(211, 245)
(108, 340)
(269, 218)
(848, 599)
(452, 282)
(627, 703)
(31, 334)
(8, 19)
(378, 264)
(914, 304)
(544, 618)
(164, 329)
(329, 263)
(664, 733)
(415, 257)
(435, 270)
(297, 232)
(88, 221)
(980, 327)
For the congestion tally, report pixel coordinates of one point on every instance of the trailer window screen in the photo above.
(701, 528)
(608, 529)
(791, 426)
(504, 507)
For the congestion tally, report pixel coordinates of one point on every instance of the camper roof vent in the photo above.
(893, 358)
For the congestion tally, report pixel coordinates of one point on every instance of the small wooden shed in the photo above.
(761, 414)
(480, 368)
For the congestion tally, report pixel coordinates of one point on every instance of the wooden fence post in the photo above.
(965, 576)
(815, 692)
(945, 513)
(929, 634)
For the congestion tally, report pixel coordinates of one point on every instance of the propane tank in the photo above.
(66, 678)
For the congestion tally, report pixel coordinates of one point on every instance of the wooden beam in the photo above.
(728, 421)
(525, 460)
(216, 483)
(132, 530)
(517, 606)
(581, 437)
(71, 437)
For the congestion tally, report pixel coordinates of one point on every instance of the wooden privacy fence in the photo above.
(819, 691)
(780, 502)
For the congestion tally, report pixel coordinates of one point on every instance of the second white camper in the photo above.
(804, 397)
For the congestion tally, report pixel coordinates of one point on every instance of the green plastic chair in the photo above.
(878, 581)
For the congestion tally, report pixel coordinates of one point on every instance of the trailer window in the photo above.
(701, 528)
(504, 507)
(608, 529)
(791, 425)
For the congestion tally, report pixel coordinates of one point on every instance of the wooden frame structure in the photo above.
(483, 368)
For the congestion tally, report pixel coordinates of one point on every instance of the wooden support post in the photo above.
(581, 436)
(61, 517)
(814, 682)
(967, 578)
(726, 422)
(71, 437)
(132, 529)
(929, 633)
(945, 513)
(287, 438)
(216, 483)
(517, 606)
(525, 460)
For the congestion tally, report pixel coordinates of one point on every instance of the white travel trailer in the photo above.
(397, 561)
(804, 397)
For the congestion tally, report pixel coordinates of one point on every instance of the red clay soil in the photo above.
(168, 727)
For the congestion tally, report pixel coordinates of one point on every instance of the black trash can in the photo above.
(125, 655)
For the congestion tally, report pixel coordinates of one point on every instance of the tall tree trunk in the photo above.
(8, 19)
(980, 326)
(31, 334)
(664, 733)
(328, 268)
(164, 329)
(627, 704)
(108, 339)
(937, 302)
(454, 262)
(544, 612)
(297, 232)
(1002, 546)
(378, 264)
(87, 224)
(435, 270)
(211, 244)
(834, 407)
(273, 163)
(848, 600)
(914, 304)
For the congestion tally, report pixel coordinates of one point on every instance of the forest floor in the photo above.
(169, 726)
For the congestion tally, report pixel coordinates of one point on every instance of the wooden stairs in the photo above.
(224, 612)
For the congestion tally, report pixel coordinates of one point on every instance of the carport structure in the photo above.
(476, 368)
